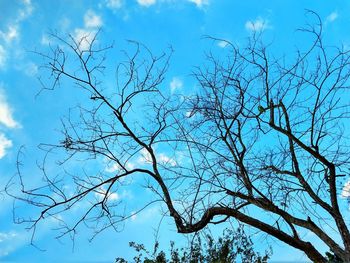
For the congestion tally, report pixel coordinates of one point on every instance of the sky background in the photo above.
(27, 119)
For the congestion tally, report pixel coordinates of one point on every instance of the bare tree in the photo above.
(263, 141)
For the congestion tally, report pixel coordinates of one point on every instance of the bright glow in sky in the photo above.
(25, 119)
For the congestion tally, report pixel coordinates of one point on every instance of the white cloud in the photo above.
(2, 57)
(26, 11)
(6, 37)
(84, 37)
(145, 157)
(116, 168)
(56, 219)
(91, 20)
(175, 84)
(6, 117)
(130, 166)
(8, 121)
(332, 17)
(162, 158)
(31, 69)
(10, 241)
(192, 114)
(222, 43)
(346, 190)
(114, 4)
(113, 196)
(4, 145)
(259, 24)
(45, 40)
(166, 160)
(189, 114)
(101, 193)
(113, 168)
(133, 216)
(200, 3)
(147, 214)
(11, 34)
(5, 242)
(64, 23)
(146, 3)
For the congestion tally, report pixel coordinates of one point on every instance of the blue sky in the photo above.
(29, 120)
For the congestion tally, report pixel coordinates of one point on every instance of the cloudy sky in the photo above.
(27, 119)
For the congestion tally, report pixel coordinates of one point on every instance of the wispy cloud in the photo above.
(200, 3)
(4, 145)
(222, 43)
(114, 195)
(45, 40)
(112, 168)
(346, 190)
(84, 36)
(111, 196)
(2, 57)
(7, 236)
(133, 216)
(146, 3)
(6, 242)
(149, 213)
(145, 157)
(7, 120)
(114, 4)
(64, 23)
(29, 68)
(118, 4)
(6, 117)
(166, 160)
(26, 11)
(116, 168)
(162, 158)
(258, 24)
(332, 17)
(13, 28)
(175, 84)
(92, 20)
(11, 33)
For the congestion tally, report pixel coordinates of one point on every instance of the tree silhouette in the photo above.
(231, 246)
(263, 140)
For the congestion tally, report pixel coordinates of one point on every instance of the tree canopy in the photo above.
(262, 140)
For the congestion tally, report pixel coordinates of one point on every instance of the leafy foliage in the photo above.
(232, 246)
